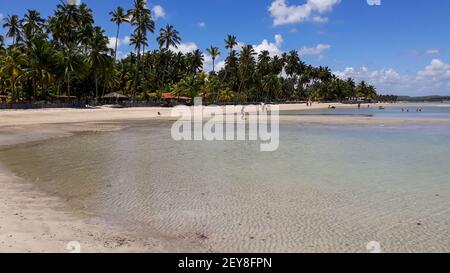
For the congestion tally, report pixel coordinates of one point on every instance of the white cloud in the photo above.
(158, 12)
(273, 48)
(112, 42)
(126, 40)
(74, 2)
(220, 65)
(284, 14)
(377, 77)
(121, 42)
(434, 79)
(437, 70)
(433, 51)
(374, 2)
(185, 47)
(208, 63)
(202, 24)
(318, 50)
(122, 55)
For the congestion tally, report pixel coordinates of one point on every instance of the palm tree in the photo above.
(226, 95)
(271, 85)
(65, 17)
(214, 52)
(119, 16)
(32, 24)
(11, 67)
(292, 63)
(246, 66)
(190, 86)
(85, 26)
(142, 21)
(44, 64)
(98, 57)
(13, 24)
(230, 43)
(169, 36)
(263, 67)
(74, 65)
(195, 60)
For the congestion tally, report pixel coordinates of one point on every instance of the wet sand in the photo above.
(33, 221)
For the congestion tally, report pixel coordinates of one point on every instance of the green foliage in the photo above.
(67, 54)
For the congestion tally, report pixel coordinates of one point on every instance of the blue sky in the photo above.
(401, 46)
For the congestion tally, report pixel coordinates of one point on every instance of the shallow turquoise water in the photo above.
(327, 188)
(390, 111)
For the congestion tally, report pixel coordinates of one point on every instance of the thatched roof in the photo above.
(114, 95)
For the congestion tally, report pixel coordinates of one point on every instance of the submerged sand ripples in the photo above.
(326, 189)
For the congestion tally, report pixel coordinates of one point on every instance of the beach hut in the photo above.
(114, 98)
(169, 97)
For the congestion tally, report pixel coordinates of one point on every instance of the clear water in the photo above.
(390, 111)
(326, 189)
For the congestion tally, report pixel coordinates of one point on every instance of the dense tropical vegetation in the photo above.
(68, 55)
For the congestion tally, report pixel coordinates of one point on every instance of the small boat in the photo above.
(381, 108)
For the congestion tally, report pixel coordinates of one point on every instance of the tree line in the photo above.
(68, 55)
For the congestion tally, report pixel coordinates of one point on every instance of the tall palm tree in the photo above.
(98, 57)
(169, 36)
(74, 65)
(263, 67)
(85, 24)
(195, 60)
(293, 63)
(230, 43)
(246, 67)
(13, 24)
(45, 62)
(214, 52)
(119, 16)
(65, 17)
(32, 24)
(143, 23)
(271, 85)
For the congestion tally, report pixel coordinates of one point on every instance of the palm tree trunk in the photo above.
(96, 86)
(34, 88)
(13, 91)
(117, 39)
(142, 66)
(68, 84)
(136, 73)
